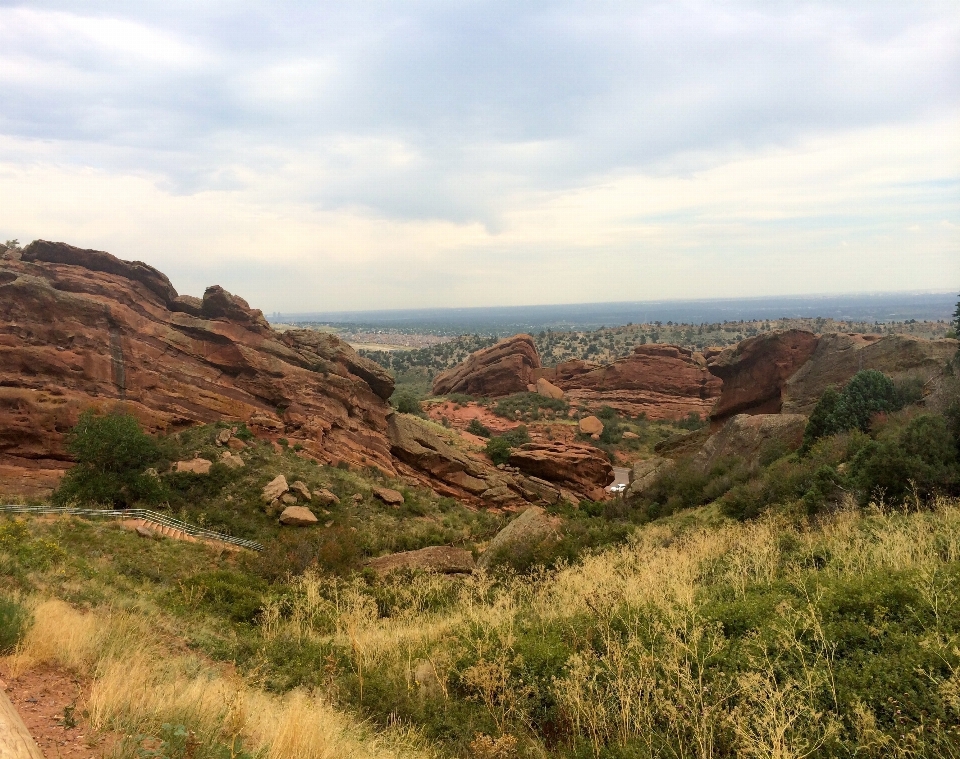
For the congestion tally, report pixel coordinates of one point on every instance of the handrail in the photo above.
(145, 514)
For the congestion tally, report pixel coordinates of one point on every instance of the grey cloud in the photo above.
(491, 99)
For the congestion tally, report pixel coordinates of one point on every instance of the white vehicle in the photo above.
(618, 488)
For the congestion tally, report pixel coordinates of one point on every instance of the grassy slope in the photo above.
(773, 638)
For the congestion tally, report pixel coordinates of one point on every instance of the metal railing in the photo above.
(153, 517)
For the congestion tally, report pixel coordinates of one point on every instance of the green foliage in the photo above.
(112, 454)
(232, 595)
(529, 407)
(406, 402)
(692, 422)
(476, 427)
(918, 460)
(956, 319)
(867, 394)
(498, 449)
(13, 624)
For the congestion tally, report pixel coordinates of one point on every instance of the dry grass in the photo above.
(137, 687)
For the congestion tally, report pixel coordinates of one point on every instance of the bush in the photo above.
(476, 427)
(112, 454)
(498, 449)
(921, 459)
(13, 624)
(528, 406)
(868, 393)
(407, 403)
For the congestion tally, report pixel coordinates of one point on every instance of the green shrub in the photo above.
(919, 459)
(476, 427)
(868, 393)
(528, 406)
(237, 597)
(407, 403)
(112, 454)
(693, 422)
(13, 624)
(498, 449)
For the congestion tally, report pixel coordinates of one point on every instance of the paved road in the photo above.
(622, 476)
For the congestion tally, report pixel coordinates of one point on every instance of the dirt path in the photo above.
(50, 703)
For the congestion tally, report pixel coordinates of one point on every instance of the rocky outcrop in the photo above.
(661, 381)
(424, 456)
(752, 437)
(389, 496)
(581, 469)
(531, 529)
(755, 371)
(839, 356)
(548, 390)
(644, 473)
(442, 559)
(81, 328)
(297, 516)
(505, 368)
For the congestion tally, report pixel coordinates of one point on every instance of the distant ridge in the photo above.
(880, 307)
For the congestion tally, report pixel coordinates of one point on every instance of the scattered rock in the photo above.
(505, 368)
(236, 444)
(531, 388)
(275, 488)
(628, 435)
(548, 390)
(231, 460)
(195, 466)
(326, 497)
(443, 559)
(301, 488)
(144, 532)
(530, 529)
(288, 498)
(358, 497)
(388, 496)
(223, 437)
(297, 516)
(590, 425)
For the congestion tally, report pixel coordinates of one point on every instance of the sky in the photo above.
(345, 156)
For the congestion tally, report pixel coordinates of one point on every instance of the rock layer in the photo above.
(661, 381)
(582, 469)
(751, 437)
(81, 328)
(505, 368)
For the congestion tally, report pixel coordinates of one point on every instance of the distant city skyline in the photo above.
(342, 156)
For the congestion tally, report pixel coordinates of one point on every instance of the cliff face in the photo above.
(81, 328)
(661, 381)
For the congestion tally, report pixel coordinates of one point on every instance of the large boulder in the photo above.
(751, 437)
(531, 529)
(548, 390)
(590, 425)
(276, 488)
(755, 371)
(505, 368)
(193, 466)
(297, 516)
(442, 559)
(581, 469)
(661, 381)
(839, 356)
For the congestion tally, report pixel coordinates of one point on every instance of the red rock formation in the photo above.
(661, 381)
(81, 328)
(505, 368)
(755, 371)
(582, 469)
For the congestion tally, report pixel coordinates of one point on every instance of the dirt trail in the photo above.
(50, 703)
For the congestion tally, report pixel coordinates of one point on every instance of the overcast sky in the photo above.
(323, 156)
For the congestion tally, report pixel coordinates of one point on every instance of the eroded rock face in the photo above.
(533, 527)
(755, 371)
(839, 356)
(81, 328)
(582, 469)
(751, 436)
(443, 559)
(505, 368)
(661, 381)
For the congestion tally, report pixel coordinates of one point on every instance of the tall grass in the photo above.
(138, 686)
